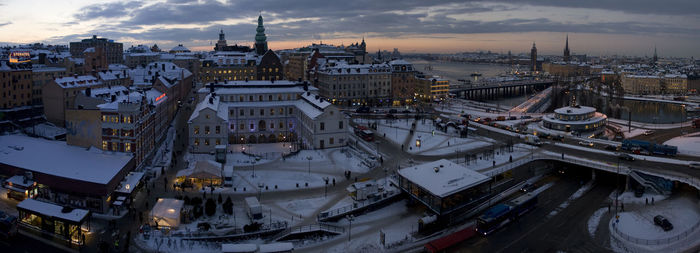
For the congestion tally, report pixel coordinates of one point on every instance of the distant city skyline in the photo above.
(594, 27)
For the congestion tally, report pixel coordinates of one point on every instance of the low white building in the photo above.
(244, 112)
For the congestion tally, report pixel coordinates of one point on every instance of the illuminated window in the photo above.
(104, 145)
(218, 141)
(206, 129)
(206, 116)
(115, 146)
(196, 129)
(104, 118)
(281, 110)
(218, 129)
(206, 142)
(127, 147)
(272, 111)
(196, 142)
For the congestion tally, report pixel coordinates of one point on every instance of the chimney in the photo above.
(162, 66)
(246, 79)
(88, 91)
(211, 100)
(308, 93)
(316, 97)
(114, 98)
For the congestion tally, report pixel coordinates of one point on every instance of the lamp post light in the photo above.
(309, 158)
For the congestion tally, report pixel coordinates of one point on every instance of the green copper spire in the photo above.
(260, 38)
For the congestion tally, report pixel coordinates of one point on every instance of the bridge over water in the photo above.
(494, 90)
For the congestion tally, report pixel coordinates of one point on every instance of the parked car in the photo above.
(627, 157)
(611, 147)
(586, 143)
(558, 137)
(663, 222)
(512, 118)
(525, 117)
(648, 132)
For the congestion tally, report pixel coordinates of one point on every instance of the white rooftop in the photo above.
(57, 158)
(449, 178)
(570, 110)
(53, 210)
(130, 182)
(77, 81)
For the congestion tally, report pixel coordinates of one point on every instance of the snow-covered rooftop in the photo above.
(53, 210)
(57, 158)
(152, 96)
(443, 177)
(213, 105)
(78, 81)
(130, 182)
(570, 110)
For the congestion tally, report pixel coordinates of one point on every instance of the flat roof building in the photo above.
(443, 186)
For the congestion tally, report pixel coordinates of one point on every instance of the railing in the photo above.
(316, 227)
(656, 241)
(332, 213)
(233, 232)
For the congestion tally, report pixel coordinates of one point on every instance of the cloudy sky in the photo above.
(595, 27)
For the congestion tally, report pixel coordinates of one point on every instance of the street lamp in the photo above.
(309, 158)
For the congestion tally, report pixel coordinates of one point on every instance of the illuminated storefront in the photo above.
(62, 223)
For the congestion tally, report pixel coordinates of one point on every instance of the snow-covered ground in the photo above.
(594, 220)
(687, 145)
(636, 232)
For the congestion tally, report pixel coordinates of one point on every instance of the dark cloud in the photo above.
(318, 19)
(674, 7)
(108, 10)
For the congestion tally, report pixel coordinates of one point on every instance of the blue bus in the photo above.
(502, 214)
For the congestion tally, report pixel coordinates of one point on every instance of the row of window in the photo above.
(116, 146)
(206, 141)
(117, 119)
(241, 98)
(251, 112)
(207, 130)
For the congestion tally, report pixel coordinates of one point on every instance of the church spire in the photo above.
(567, 55)
(656, 57)
(260, 38)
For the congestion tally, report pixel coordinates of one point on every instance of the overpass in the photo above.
(644, 169)
(493, 90)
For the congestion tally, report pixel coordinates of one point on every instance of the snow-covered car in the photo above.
(585, 143)
(648, 132)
